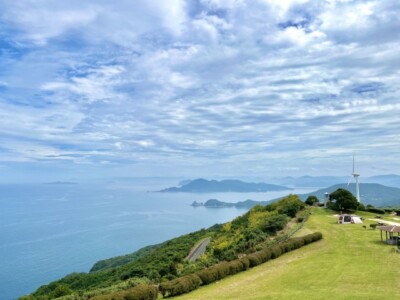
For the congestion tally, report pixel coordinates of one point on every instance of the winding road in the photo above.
(198, 250)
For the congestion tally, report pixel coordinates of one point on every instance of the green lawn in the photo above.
(349, 263)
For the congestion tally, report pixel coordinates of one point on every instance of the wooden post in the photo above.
(381, 236)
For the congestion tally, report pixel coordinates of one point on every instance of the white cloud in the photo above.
(223, 84)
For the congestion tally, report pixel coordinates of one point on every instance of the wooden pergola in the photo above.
(390, 232)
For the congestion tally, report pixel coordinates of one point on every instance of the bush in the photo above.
(316, 236)
(254, 259)
(142, 292)
(276, 251)
(246, 263)
(180, 285)
(235, 266)
(376, 210)
(208, 275)
(112, 296)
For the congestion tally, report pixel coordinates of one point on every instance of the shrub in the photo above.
(142, 292)
(376, 210)
(112, 296)
(276, 251)
(235, 266)
(180, 285)
(254, 259)
(266, 254)
(316, 236)
(297, 242)
(207, 275)
(308, 239)
(246, 263)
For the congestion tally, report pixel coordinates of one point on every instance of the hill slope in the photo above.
(371, 193)
(349, 263)
(213, 186)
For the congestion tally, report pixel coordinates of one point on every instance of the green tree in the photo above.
(311, 200)
(342, 199)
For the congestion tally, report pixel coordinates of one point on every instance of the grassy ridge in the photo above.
(350, 263)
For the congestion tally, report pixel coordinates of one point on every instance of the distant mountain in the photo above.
(61, 182)
(370, 193)
(389, 180)
(318, 181)
(214, 203)
(309, 181)
(214, 186)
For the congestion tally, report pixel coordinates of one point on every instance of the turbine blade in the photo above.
(353, 161)
(351, 177)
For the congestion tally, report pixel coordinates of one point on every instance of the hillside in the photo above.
(371, 193)
(349, 263)
(257, 229)
(215, 186)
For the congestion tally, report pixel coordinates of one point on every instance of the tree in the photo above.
(342, 199)
(311, 200)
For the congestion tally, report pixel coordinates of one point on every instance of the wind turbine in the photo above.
(355, 175)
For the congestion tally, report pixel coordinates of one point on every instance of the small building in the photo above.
(392, 233)
(349, 219)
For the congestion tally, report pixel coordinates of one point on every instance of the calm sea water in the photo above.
(48, 231)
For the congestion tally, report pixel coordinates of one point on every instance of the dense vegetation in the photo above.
(246, 234)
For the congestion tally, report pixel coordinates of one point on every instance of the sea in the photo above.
(50, 230)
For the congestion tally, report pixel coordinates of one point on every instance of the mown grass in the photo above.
(349, 263)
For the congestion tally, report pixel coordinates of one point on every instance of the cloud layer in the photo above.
(200, 87)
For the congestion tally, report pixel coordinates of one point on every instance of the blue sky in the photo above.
(210, 88)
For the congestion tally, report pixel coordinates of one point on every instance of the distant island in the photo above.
(215, 186)
(61, 182)
(214, 203)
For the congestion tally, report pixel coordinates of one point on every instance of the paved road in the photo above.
(198, 250)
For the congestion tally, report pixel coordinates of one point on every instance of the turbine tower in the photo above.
(355, 175)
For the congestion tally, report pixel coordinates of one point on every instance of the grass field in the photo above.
(349, 263)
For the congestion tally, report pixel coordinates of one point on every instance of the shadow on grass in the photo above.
(379, 242)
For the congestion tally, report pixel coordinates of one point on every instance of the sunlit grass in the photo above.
(349, 263)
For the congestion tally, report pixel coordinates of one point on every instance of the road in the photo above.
(198, 250)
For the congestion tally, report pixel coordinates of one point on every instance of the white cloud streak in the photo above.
(242, 85)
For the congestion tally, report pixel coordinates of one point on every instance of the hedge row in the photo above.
(206, 276)
(376, 210)
(140, 292)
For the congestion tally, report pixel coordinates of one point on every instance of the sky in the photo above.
(198, 88)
